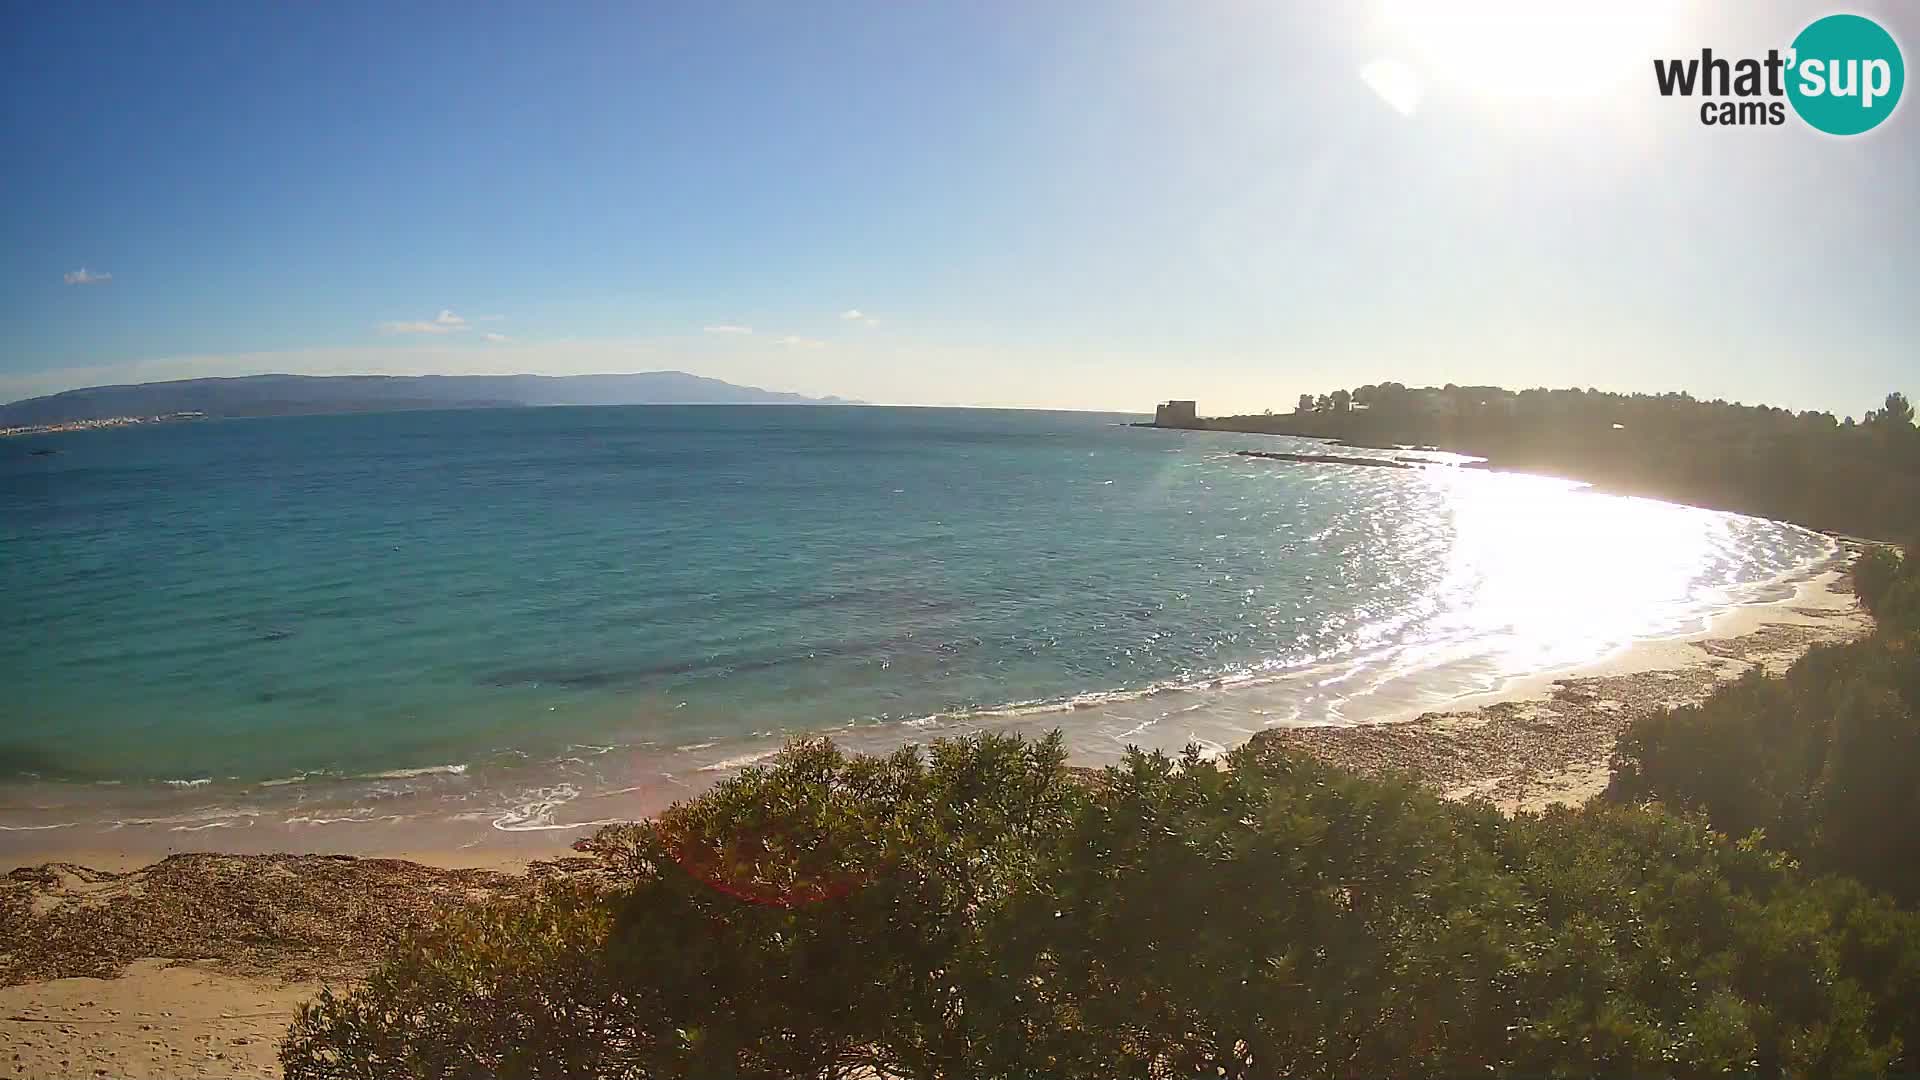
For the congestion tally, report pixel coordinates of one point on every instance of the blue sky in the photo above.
(1061, 204)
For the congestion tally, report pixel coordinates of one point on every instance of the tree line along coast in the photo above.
(1842, 475)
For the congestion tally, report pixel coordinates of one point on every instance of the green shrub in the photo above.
(1874, 574)
(975, 911)
(1825, 762)
(507, 989)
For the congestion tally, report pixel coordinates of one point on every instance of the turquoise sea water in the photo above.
(239, 608)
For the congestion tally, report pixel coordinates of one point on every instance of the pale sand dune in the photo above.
(160, 1019)
(194, 966)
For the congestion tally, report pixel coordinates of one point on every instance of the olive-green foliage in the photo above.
(1874, 574)
(1825, 761)
(1889, 587)
(976, 911)
(509, 989)
(803, 920)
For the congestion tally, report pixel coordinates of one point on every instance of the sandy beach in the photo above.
(194, 965)
(1547, 740)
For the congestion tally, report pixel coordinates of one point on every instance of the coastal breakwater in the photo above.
(1337, 459)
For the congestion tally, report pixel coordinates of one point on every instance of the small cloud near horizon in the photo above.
(491, 336)
(446, 322)
(858, 316)
(727, 328)
(795, 341)
(84, 276)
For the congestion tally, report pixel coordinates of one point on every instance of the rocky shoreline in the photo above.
(1527, 752)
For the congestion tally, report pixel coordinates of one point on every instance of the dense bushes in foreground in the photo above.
(974, 911)
(1825, 761)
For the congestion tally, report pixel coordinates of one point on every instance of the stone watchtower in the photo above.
(1175, 414)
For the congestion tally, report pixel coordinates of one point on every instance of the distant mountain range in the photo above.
(294, 395)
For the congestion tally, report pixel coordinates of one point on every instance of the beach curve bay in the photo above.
(518, 622)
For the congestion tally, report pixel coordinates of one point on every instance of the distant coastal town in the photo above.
(102, 422)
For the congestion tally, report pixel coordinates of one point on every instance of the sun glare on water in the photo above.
(1561, 575)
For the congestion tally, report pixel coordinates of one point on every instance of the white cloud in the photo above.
(795, 341)
(858, 316)
(488, 318)
(446, 322)
(414, 328)
(84, 276)
(491, 336)
(727, 328)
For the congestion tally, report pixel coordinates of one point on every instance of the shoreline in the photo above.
(193, 965)
(1546, 739)
(451, 818)
(1425, 739)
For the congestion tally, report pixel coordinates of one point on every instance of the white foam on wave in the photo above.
(38, 828)
(536, 814)
(242, 823)
(284, 781)
(201, 782)
(740, 762)
(1092, 699)
(199, 818)
(409, 774)
(345, 819)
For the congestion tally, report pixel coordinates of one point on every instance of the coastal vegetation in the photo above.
(1741, 902)
(1812, 468)
(1823, 763)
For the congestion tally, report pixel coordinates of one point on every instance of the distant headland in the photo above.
(296, 395)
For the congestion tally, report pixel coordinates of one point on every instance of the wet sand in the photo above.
(193, 966)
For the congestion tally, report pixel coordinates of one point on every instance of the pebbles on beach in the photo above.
(1531, 753)
(287, 916)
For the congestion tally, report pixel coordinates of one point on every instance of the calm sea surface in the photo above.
(235, 623)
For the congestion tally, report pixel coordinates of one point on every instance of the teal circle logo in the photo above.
(1846, 74)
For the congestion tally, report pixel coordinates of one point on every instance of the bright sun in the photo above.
(1528, 49)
